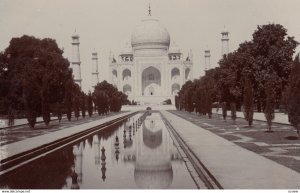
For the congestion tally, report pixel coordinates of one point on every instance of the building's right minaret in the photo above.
(95, 72)
(207, 59)
(225, 42)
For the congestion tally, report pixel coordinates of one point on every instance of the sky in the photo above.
(106, 25)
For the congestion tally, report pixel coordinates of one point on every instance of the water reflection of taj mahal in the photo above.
(151, 150)
(147, 145)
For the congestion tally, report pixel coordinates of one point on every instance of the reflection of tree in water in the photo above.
(49, 172)
(109, 131)
(90, 140)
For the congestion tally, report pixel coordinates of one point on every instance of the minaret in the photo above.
(225, 42)
(76, 59)
(95, 68)
(78, 153)
(207, 59)
(191, 55)
(149, 10)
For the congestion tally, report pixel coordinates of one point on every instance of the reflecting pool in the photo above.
(138, 153)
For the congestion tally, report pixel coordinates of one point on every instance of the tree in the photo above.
(177, 102)
(273, 52)
(102, 102)
(229, 83)
(68, 98)
(270, 102)
(116, 104)
(90, 104)
(189, 101)
(208, 102)
(293, 105)
(45, 100)
(83, 97)
(108, 98)
(224, 110)
(76, 104)
(76, 95)
(34, 72)
(31, 96)
(233, 112)
(269, 53)
(185, 96)
(58, 111)
(248, 101)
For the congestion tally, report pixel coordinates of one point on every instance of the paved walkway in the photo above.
(279, 117)
(33, 142)
(17, 122)
(21, 132)
(233, 166)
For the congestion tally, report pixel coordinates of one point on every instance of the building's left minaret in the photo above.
(76, 59)
(95, 72)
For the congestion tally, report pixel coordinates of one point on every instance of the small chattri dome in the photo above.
(150, 34)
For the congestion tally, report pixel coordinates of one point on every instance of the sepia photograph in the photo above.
(125, 95)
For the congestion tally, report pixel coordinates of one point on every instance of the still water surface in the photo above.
(123, 156)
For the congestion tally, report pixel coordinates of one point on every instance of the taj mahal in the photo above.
(150, 69)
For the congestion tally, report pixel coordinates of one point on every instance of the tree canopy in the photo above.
(108, 98)
(33, 72)
(267, 57)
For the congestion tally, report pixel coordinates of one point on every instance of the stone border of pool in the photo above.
(233, 166)
(20, 158)
(200, 174)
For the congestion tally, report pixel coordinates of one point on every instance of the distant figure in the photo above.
(218, 107)
(224, 110)
(10, 118)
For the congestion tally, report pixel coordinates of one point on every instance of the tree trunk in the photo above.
(270, 125)
(258, 105)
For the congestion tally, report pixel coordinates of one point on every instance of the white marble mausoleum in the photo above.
(150, 69)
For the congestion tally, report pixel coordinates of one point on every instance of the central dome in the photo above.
(150, 34)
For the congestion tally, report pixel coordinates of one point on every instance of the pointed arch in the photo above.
(151, 81)
(127, 89)
(187, 73)
(175, 72)
(126, 74)
(175, 88)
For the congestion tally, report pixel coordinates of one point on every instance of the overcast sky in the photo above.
(106, 25)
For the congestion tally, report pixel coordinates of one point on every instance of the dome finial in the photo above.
(149, 10)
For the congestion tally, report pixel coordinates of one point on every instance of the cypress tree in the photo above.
(45, 102)
(68, 98)
(83, 105)
(58, 111)
(248, 101)
(224, 110)
(270, 102)
(293, 103)
(90, 104)
(233, 111)
(46, 111)
(208, 103)
(76, 106)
